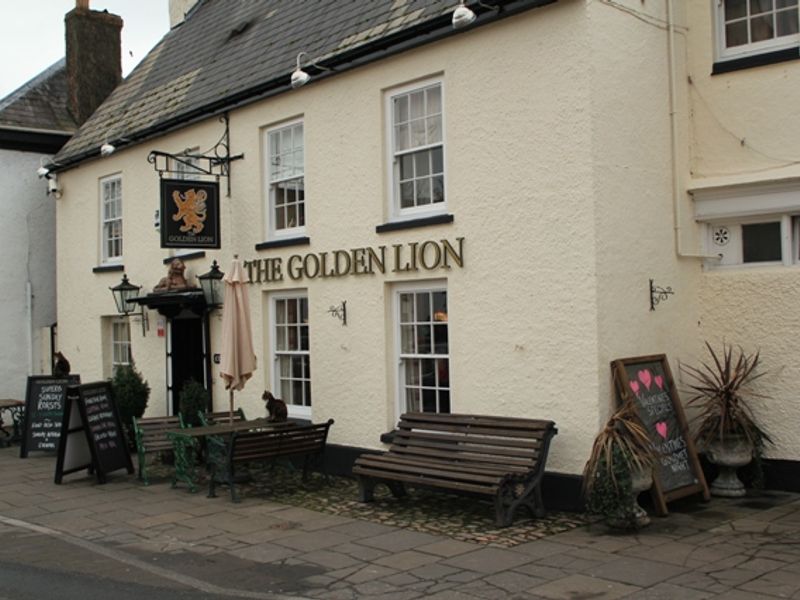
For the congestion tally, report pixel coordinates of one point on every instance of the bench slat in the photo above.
(432, 481)
(475, 458)
(465, 444)
(496, 472)
(441, 470)
(506, 442)
(480, 420)
(500, 432)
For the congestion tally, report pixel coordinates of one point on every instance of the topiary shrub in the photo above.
(131, 393)
(193, 399)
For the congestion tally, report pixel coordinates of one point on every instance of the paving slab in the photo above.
(488, 560)
(583, 586)
(635, 571)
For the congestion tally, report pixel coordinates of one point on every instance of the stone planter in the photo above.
(641, 480)
(729, 454)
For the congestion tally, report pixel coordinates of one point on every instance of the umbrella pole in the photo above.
(231, 406)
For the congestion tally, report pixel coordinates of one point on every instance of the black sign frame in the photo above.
(183, 218)
(37, 382)
(74, 449)
(647, 382)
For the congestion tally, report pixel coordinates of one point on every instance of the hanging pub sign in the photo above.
(189, 214)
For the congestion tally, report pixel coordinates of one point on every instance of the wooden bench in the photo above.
(220, 416)
(151, 438)
(502, 457)
(284, 440)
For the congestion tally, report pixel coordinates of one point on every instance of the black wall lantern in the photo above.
(212, 285)
(124, 293)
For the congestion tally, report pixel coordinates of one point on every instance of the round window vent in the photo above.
(721, 236)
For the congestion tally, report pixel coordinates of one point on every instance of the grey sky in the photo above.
(32, 34)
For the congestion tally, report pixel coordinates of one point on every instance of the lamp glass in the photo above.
(123, 292)
(211, 284)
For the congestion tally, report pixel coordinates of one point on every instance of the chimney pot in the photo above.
(82, 4)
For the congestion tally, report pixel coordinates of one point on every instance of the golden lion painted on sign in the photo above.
(191, 208)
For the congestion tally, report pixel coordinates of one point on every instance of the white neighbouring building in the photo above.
(489, 203)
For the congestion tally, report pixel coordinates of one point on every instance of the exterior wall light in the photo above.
(124, 293)
(212, 286)
(107, 149)
(42, 171)
(301, 77)
(462, 16)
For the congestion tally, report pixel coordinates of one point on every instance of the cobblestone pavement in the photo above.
(286, 540)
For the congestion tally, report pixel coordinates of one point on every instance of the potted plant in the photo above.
(131, 393)
(727, 430)
(193, 399)
(619, 468)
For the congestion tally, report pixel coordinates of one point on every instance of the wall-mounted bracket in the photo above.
(214, 162)
(658, 294)
(340, 312)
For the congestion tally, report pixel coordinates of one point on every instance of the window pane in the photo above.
(418, 133)
(401, 139)
(736, 34)
(444, 401)
(434, 125)
(423, 191)
(412, 372)
(401, 109)
(735, 9)
(428, 367)
(761, 242)
(406, 308)
(417, 104)
(761, 28)
(434, 99)
(759, 6)
(407, 339)
(437, 191)
(786, 22)
(406, 167)
(428, 400)
(422, 163)
(280, 311)
(291, 311)
(423, 307)
(440, 339)
(303, 310)
(407, 194)
(785, 3)
(437, 162)
(412, 400)
(423, 339)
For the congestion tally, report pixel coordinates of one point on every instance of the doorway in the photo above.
(187, 355)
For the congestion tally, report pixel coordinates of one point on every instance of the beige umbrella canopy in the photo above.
(238, 359)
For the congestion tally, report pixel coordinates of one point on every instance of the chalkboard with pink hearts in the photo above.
(647, 382)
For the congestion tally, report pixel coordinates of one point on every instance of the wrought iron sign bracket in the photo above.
(214, 162)
(658, 294)
(340, 312)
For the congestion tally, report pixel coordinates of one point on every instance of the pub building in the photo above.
(442, 206)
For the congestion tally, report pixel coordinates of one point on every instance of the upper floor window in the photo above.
(748, 27)
(286, 180)
(111, 218)
(417, 151)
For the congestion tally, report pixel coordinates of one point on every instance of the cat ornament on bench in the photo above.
(276, 408)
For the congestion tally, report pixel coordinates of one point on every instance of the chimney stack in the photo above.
(94, 58)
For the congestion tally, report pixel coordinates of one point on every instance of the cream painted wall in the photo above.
(746, 129)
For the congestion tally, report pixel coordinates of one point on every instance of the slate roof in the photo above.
(231, 52)
(40, 104)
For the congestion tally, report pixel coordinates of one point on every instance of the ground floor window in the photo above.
(291, 373)
(755, 241)
(424, 355)
(120, 344)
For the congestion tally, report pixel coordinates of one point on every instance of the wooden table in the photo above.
(16, 408)
(185, 446)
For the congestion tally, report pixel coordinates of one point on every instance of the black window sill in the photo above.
(414, 223)
(185, 257)
(757, 60)
(108, 269)
(298, 241)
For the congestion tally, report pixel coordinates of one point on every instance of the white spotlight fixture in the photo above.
(107, 149)
(52, 186)
(462, 16)
(42, 171)
(299, 77)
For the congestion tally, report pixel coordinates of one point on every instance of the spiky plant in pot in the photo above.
(619, 467)
(726, 427)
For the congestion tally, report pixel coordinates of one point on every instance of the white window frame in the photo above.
(415, 288)
(105, 256)
(733, 206)
(295, 410)
(120, 346)
(395, 212)
(273, 232)
(749, 49)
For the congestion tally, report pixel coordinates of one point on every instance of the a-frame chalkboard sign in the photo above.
(44, 408)
(91, 433)
(647, 382)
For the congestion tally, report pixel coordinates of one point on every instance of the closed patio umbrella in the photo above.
(238, 359)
